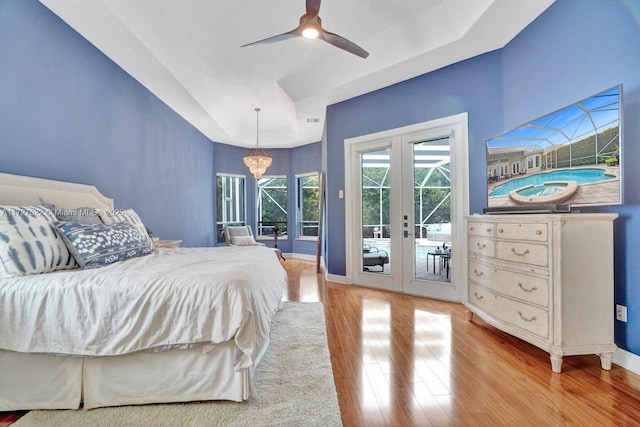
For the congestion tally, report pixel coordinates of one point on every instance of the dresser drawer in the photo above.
(524, 253)
(522, 286)
(511, 312)
(482, 229)
(537, 232)
(481, 246)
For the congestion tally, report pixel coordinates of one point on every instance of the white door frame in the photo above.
(456, 129)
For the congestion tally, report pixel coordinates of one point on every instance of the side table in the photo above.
(167, 244)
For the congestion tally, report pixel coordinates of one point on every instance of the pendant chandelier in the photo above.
(257, 161)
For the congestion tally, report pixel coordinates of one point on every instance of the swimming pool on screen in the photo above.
(581, 176)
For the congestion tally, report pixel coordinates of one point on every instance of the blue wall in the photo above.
(307, 158)
(289, 162)
(472, 86)
(575, 49)
(67, 112)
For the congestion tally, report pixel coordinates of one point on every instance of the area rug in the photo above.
(294, 384)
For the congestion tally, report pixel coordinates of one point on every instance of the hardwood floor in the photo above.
(400, 360)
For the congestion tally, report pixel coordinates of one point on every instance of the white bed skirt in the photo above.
(40, 381)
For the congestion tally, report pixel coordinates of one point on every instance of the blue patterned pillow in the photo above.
(97, 245)
(30, 243)
(130, 216)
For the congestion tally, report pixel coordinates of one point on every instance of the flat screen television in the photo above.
(571, 156)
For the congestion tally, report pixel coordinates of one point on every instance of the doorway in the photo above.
(406, 201)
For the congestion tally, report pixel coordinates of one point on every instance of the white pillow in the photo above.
(30, 243)
(243, 241)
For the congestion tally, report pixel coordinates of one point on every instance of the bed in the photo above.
(176, 325)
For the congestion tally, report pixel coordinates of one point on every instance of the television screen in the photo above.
(571, 156)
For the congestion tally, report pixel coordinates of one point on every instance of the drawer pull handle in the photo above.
(478, 274)
(500, 230)
(478, 297)
(534, 288)
(489, 230)
(530, 319)
(481, 245)
(526, 252)
(538, 232)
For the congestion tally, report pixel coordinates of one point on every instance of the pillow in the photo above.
(243, 241)
(130, 216)
(98, 245)
(30, 243)
(82, 215)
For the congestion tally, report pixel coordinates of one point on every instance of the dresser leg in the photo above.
(556, 363)
(605, 360)
(469, 315)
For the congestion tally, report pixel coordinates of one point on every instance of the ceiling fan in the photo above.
(311, 27)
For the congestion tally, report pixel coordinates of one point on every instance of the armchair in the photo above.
(240, 236)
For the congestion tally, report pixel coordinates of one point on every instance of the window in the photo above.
(272, 206)
(308, 204)
(230, 203)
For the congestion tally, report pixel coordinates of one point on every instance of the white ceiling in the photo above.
(188, 54)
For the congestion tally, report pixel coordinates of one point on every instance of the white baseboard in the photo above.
(305, 257)
(627, 360)
(337, 279)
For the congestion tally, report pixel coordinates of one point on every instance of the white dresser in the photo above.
(545, 278)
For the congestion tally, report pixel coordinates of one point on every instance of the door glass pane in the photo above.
(376, 212)
(432, 201)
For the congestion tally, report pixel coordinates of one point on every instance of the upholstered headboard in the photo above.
(17, 190)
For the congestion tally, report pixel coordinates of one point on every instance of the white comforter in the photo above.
(171, 298)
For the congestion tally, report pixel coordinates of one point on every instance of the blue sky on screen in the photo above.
(570, 124)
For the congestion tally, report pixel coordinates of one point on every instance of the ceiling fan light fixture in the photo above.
(310, 27)
(310, 32)
(257, 161)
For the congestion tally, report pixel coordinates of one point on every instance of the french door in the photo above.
(406, 202)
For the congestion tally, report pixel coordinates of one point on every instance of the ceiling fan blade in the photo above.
(280, 37)
(342, 43)
(313, 8)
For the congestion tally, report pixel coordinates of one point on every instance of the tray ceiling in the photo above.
(188, 54)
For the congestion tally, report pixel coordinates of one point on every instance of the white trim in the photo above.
(271, 177)
(299, 203)
(338, 279)
(305, 174)
(352, 146)
(456, 129)
(294, 255)
(627, 360)
(432, 126)
(232, 175)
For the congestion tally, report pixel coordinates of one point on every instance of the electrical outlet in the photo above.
(621, 312)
